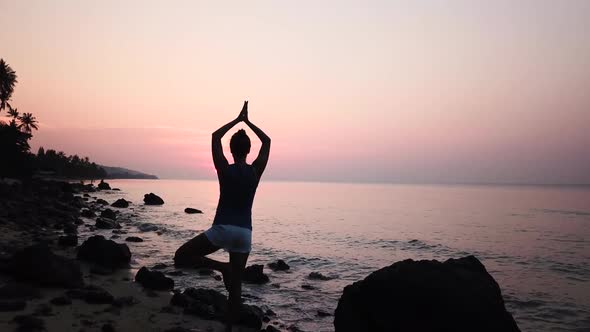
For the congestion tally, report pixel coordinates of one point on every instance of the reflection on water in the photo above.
(533, 240)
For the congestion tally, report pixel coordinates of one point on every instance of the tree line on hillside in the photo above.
(16, 160)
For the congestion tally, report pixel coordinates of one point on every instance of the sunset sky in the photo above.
(392, 91)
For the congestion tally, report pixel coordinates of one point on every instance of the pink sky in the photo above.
(402, 91)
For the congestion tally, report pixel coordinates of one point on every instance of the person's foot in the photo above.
(226, 274)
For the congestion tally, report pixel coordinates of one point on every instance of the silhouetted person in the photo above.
(232, 226)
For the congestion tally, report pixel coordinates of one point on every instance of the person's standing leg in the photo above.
(237, 263)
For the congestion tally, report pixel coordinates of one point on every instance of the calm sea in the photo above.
(534, 240)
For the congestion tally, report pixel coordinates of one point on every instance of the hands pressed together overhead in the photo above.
(243, 116)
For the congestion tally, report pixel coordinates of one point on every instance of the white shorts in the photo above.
(231, 238)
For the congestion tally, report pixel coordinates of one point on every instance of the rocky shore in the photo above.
(53, 280)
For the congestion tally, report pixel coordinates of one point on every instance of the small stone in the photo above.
(318, 276)
(134, 239)
(279, 265)
(192, 211)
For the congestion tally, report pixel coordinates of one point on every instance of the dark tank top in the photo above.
(237, 186)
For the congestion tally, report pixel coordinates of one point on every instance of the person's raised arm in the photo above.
(262, 159)
(219, 159)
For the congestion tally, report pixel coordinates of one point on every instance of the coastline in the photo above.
(42, 212)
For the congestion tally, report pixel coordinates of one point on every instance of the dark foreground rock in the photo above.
(192, 211)
(153, 279)
(107, 253)
(254, 274)
(152, 199)
(40, 265)
(211, 304)
(457, 295)
(279, 265)
(120, 203)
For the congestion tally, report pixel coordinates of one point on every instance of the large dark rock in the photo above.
(153, 279)
(103, 185)
(279, 265)
(102, 202)
(457, 295)
(254, 274)
(105, 223)
(39, 264)
(211, 304)
(152, 199)
(120, 203)
(104, 252)
(191, 211)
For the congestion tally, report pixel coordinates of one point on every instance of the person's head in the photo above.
(239, 144)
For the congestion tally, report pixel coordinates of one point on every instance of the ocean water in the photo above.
(534, 240)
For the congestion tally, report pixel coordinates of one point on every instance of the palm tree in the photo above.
(13, 112)
(7, 82)
(28, 122)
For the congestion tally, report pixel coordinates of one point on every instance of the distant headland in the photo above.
(124, 173)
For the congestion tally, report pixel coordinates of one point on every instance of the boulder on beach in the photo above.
(152, 199)
(211, 304)
(192, 210)
(254, 274)
(108, 213)
(105, 223)
(102, 202)
(153, 279)
(457, 295)
(40, 265)
(279, 265)
(107, 253)
(120, 203)
(103, 185)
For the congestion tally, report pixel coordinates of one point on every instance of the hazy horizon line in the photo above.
(449, 183)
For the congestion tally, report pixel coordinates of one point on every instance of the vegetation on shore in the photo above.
(17, 159)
